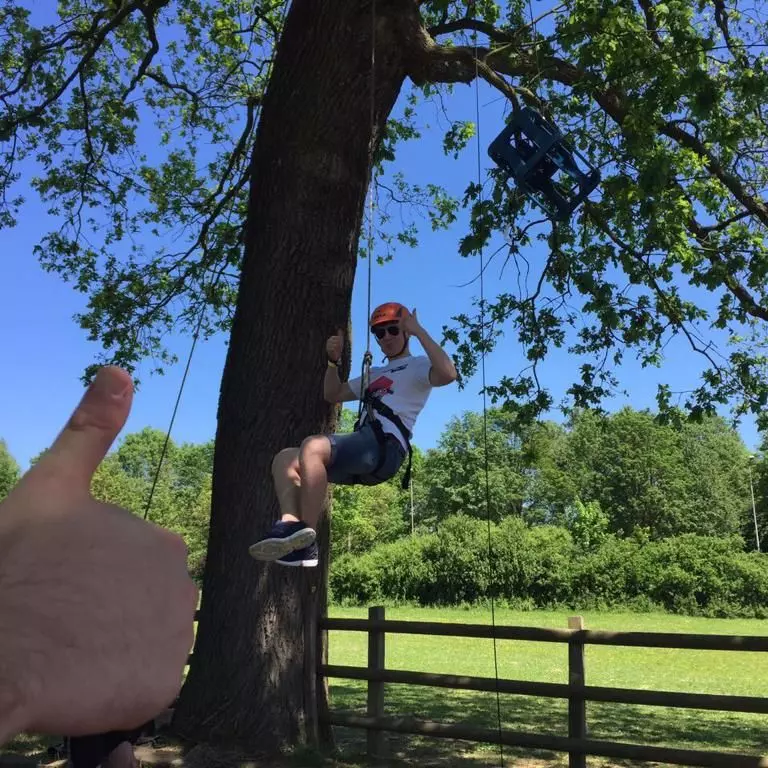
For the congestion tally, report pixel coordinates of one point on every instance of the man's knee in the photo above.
(316, 446)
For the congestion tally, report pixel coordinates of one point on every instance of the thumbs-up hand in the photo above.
(96, 605)
(410, 323)
(335, 346)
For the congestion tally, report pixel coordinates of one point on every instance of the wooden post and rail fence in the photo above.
(576, 744)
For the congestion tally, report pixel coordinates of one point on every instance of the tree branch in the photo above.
(475, 25)
(752, 204)
(744, 297)
(147, 12)
(123, 12)
(721, 19)
(34, 55)
(611, 100)
(669, 311)
(721, 225)
(259, 15)
(161, 79)
(443, 64)
(651, 23)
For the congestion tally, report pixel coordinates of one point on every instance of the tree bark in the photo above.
(313, 153)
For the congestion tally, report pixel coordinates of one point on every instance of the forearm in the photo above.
(442, 364)
(332, 384)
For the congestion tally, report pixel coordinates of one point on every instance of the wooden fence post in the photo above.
(577, 707)
(376, 647)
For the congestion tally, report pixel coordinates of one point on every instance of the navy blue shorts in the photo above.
(354, 457)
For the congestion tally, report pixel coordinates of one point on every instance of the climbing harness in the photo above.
(533, 150)
(374, 405)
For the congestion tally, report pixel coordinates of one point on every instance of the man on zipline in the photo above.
(374, 452)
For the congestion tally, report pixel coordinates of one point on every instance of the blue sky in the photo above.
(45, 352)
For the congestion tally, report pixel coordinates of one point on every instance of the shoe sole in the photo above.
(298, 563)
(274, 549)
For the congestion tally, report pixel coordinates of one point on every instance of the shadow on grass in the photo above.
(657, 726)
(30, 748)
(652, 726)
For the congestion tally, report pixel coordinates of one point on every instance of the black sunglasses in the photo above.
(393, 330)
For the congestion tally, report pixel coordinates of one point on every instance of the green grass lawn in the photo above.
(653, 669)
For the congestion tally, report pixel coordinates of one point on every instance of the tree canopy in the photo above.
(138, 118)
(643, 475)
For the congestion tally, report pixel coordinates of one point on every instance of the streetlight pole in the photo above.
(754, 509)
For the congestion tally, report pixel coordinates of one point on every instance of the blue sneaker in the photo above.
(301, 558)
(284, 538)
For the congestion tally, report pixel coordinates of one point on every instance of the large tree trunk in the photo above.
(247, 685)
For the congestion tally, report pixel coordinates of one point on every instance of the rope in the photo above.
(536, 50)
(199, 322)
(176, 408)
(368, 357)
(485, 407)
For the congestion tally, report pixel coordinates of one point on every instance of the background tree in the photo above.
(115, 103)
(643, 475)
(113, 485)
(9, 470)
(181, 499)
(759, 479)
(366, 515)
(662, 478)
(717, 478)
(588, 525)
(455, 469)
(561, 457)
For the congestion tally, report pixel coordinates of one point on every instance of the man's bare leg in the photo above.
(291, 532)
(287, 481)
(314, 457)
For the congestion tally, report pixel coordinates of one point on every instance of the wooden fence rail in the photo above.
(576, 744)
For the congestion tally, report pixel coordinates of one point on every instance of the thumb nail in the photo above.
(110, 382)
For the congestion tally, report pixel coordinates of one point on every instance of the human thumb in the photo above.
(92, 428)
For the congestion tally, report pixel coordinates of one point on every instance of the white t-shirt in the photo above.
(403, 384)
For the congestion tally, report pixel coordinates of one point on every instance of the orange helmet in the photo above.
(391, 312)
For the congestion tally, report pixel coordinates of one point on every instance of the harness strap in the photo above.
(374, 404)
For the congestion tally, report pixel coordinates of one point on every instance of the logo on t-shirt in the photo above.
(380, 387)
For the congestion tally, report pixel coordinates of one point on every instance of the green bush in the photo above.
(543, 567)
(553, 554)
(402, 570)
(457, 558)
(608, 576)
(353, 579)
